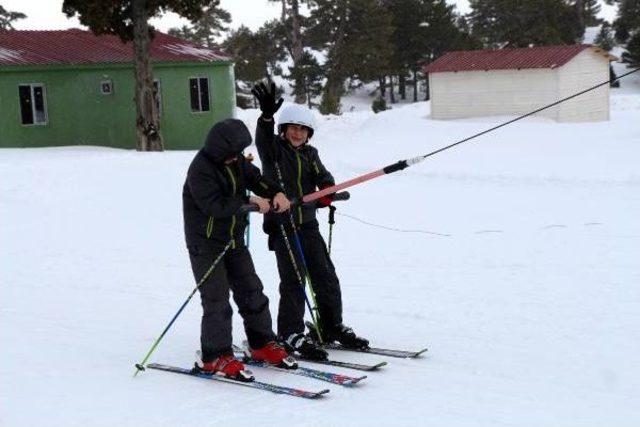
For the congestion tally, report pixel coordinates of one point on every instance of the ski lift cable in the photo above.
(402, 164)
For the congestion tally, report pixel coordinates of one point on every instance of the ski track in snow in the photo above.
(530, 307)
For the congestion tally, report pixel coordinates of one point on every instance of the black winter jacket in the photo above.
(302, 171)
(214, 191)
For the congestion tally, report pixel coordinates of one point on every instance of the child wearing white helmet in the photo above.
(288, 159)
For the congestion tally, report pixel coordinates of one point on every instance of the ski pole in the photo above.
(313, 311)
(332, 220)
(248, 231)
(402, 164)
(301, 281)
(249, 157)
(140, 366)
(338, 196)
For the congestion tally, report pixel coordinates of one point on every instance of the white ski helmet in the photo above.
(298, 115)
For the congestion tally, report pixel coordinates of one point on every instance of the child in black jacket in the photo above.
(213, 193)
(294, 164)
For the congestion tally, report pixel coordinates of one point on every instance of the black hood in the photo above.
(227, 139)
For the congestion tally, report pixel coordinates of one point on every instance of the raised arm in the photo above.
(269, 104)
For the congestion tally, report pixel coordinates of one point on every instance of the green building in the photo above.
(74, 88)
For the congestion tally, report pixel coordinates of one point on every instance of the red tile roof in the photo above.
(508, 59)
(83, 47)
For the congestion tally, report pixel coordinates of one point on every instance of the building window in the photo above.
(199, 89)
(158, 92)
(33, 104)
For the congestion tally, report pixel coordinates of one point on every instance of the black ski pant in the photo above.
(323, 278)
(236, 272)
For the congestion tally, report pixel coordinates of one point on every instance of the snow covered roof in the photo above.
(76, 46)
(510, 59)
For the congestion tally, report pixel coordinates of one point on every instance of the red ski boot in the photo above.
(274, 354)
(227, 366)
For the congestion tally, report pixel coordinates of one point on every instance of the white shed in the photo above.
(517, 81)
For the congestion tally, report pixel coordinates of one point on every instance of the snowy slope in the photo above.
(521, 276)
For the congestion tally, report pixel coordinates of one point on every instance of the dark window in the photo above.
(38, 101)
(25, 105)
(204, 94)
(195, 99)
(33, 107)
(199, 89)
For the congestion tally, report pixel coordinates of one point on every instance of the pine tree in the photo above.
(185, 33)
(129, 20)
(308, 75)
(239, 44)
(590, 11)
(627, 29)
(587, 13)
(422, 31)
(407, 38)
(270, 46)
(211, 25)
(606, 41)
(627, 20)
(297, 54)
(632, 54)
(505, 23)
(445, 31)
(207, 29)
(7, 18)
(256, 55)
(293, 22)
(355, 34)
(605, 38)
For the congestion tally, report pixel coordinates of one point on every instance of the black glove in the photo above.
(267, 98)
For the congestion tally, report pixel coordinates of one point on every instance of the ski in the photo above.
(253, 384)
(348, 365)
(344, 380)
(379, 351)
(340, 379)
(404, 354)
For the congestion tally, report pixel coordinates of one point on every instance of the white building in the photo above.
(518, 81)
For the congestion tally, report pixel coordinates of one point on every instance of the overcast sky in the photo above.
(47, 14)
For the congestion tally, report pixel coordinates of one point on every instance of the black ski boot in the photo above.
(305, 346)
(342, 334)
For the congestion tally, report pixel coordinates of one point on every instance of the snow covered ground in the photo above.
(521, 276)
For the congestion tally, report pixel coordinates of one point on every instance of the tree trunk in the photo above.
(426, 83)
(580, 13)
(331, 95)
(383, 86)
(147, 118)
(334, 87)
(415, 85)
(283, 17)
(402, 86)
(392, 95)
(297, 50)
(307, 91)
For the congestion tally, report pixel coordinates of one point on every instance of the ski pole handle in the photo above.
(343, 195)
(249, 207)
(337, 197)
